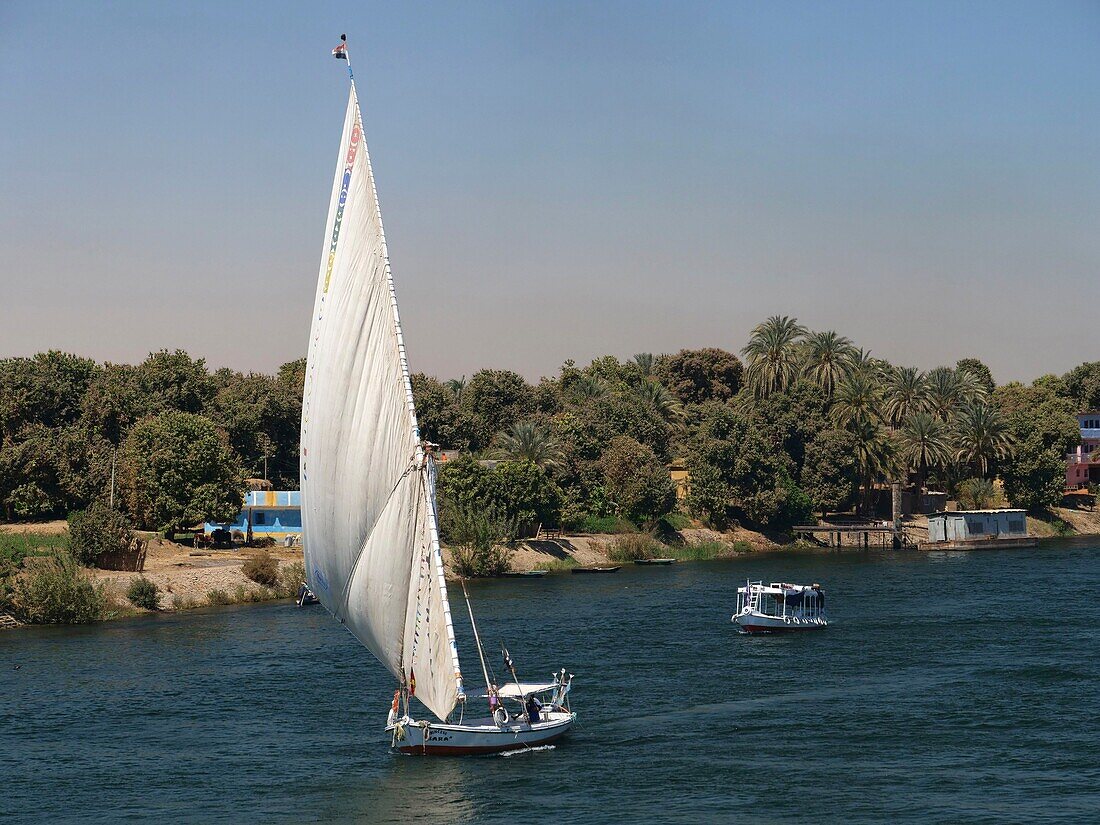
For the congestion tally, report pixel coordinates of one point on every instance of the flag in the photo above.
(341, 51)
(507, 659)
(412, 683)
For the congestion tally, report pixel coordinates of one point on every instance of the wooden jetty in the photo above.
(855, 535)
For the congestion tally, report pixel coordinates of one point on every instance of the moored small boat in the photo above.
(525, 574)
(654, 561)
(614, 569)
(779, 607)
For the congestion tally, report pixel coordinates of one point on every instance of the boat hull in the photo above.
(760, 623)
(480, 738)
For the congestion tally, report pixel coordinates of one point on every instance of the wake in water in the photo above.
(528, 750)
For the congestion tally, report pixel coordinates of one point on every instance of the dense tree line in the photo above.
(807, 423)
(182, 438)
(799, 422)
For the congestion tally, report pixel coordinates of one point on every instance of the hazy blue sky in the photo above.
(558, 180)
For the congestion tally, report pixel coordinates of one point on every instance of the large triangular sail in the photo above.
(369, 519)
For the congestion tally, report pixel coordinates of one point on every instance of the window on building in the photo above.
(976, 527)
(1015, 526)
(259, 518)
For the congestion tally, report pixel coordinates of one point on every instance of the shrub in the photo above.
(56, 591)
(976, 493)
(607, 524)
(263, 569)
(634, 546)
(99, 529)
(291, 577)
(479, 535)
(143, 593)
(263, 541)
(181, 601)
(218, 597)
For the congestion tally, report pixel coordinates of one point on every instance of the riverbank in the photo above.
(188, 578)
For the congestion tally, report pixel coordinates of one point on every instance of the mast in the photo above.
(477, 638)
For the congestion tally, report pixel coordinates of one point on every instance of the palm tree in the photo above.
(668, 406)
(981, 436)
(828, 359)
(943, 392)
(906, 393)
(527, 441)
(856, 400)
(456, 386)
(588, 387)
(969, 387)
(875, 455)
(923, 442)
(645, 362)
(772, 355)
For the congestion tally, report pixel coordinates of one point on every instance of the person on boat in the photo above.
(533, 707)
(494, 698)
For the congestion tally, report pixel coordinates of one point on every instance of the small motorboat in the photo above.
(614, 569)
(779, 607)
(306, 597)
(654, 561)
(525, 574)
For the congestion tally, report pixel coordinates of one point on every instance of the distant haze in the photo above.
(558, 180)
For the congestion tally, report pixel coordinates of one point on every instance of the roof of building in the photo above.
(973, 512)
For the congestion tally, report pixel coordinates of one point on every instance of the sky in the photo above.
(559, 180)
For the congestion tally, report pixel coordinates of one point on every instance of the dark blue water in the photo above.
(952, 687)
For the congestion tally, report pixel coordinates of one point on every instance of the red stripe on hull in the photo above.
(453, 750)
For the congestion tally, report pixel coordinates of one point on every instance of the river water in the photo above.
(951, 687)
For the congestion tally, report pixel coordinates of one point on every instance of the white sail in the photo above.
(368, 506)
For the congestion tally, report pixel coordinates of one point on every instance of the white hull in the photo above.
(478, 736)
(752, 621)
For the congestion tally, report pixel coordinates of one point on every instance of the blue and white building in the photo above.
(274, 514)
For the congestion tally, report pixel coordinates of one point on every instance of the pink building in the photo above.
(1083, 464)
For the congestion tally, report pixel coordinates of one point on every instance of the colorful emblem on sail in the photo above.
(349, 164)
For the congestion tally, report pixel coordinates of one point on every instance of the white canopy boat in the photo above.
(779, 607)
(369, 517)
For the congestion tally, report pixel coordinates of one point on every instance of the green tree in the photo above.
(494, 400)
(828, 359)
(979, 371)
(1083, 385)
(1035, 477)
(1043, 428)
(666, 404)
(177, 469)
(857, 400)
(438, 414)
(261, 415)
(830, 474)
(175, 381)
(708, 494)
(525, 494)
(113, 401)
(773, 355)
(981, 436)
(906, 394)
(924, 442)
(527, 441)
(699, 375)
(637, 481)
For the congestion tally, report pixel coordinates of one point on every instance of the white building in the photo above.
(977, 525)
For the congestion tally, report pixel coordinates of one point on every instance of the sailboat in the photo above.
(369, 517)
